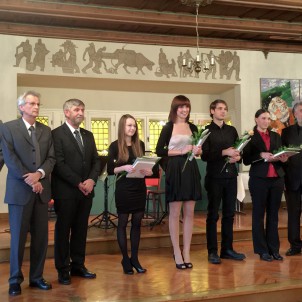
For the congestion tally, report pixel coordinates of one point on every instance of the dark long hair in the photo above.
(179, 101)
(260, 111)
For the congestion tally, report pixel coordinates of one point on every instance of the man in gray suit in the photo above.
(1, 154)
(29, 156)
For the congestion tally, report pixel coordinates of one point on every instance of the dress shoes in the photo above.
(277, 256)
(14, 289)
(138, 266)
(41, 284)
(64, 277)
(127, 266)
(266, 257)
(82, 272)
(231, 254)
(214, 258)
(291, 252)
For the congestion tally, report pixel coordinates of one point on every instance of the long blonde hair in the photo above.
(123, 154)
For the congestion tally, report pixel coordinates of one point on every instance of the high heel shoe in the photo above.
(179, 266)
(187, 264)
(138, 267)
(127, 267)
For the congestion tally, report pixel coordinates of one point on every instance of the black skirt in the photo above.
(182, 185)
(130, 195)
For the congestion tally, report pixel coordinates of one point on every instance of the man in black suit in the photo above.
(292, 135)
(29, 156)
(73, 179)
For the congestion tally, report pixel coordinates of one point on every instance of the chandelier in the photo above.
(197, 64)
(194, 2)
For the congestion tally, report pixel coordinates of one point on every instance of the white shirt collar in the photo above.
(71, 128)
(28, 125)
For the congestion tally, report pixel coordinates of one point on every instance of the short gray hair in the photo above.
(72, 102)
(296, 105)
(22, 98)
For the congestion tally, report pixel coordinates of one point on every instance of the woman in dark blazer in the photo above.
(266, 185)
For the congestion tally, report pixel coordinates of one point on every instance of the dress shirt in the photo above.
(267, 141)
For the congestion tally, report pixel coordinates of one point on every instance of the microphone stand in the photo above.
(103, 220)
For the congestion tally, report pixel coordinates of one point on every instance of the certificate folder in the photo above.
(142, 163)
(289, 153)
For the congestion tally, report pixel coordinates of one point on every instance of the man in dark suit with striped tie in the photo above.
(292, 135)
(29, 156)
(74, 177)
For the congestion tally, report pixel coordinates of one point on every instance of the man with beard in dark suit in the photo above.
(29, 156)
(73, 179)
(292, 135)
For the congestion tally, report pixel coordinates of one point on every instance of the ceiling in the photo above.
(265, 25)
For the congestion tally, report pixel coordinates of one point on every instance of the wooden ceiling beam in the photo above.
(122, 37)
(294, 5)
(131, 17)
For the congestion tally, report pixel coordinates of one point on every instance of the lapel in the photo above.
(84, 137)
(24, 131)
(71, 137)
(39, 130)
(259, 143)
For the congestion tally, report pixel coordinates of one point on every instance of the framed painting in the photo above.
(278, 96)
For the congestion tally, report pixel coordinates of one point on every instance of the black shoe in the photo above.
(188, 264)
(64, 277)
(14, 289)
(82, 272)
(127, 266)
(277, 256)
(231, 254)
(266, 257)
(214, 258)
(138, 267)
(180, 265)
(41, 284)
(291, 252)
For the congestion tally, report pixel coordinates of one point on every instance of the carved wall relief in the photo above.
(99, 60)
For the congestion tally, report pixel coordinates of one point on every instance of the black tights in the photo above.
(135, 234)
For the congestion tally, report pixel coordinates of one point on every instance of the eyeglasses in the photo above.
(32, 104)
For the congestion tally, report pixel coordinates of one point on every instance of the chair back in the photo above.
(154, 182)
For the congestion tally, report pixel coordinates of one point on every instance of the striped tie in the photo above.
(79, 141)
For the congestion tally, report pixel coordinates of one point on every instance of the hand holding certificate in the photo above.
(142, 163)
(285, 152)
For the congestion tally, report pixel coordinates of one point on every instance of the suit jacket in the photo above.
(72, 166)
(293, 167)
(17, 148)
(251, 154)
(1, 153)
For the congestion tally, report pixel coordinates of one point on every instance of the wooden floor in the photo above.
(250, 280)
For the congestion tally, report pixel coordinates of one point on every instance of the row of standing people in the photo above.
(75, 162)
(183, 186)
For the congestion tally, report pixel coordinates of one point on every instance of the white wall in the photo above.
(136, 92)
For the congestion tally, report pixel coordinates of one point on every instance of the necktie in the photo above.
(79, 141)
(36, 146)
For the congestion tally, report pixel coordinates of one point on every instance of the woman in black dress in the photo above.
(266, 184)
(130, 193)
(183, 187)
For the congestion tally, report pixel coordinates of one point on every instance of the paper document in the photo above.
(142, 163)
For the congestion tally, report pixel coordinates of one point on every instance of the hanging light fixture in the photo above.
(193, 2)
(197, 64)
